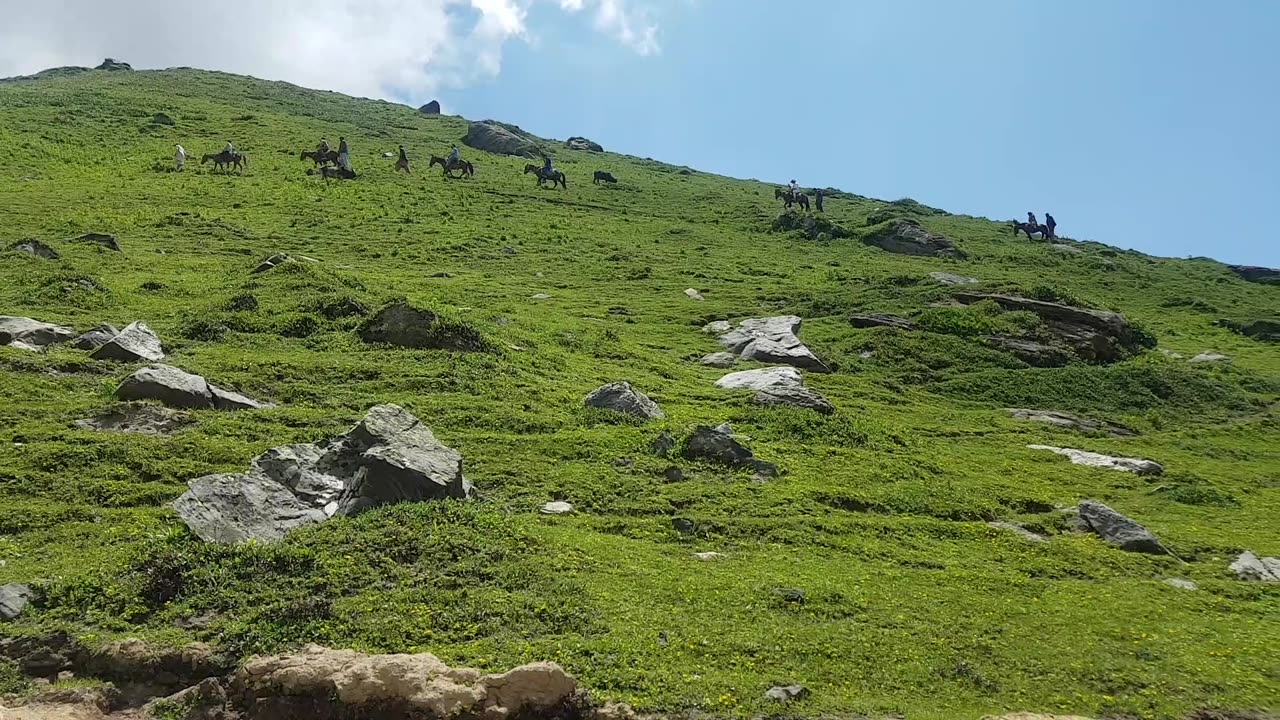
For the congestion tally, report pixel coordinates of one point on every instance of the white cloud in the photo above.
(378, 48)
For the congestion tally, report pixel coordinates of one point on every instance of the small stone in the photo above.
(949, 279)
(1118, 530)
(13, 600)
(1180, 583)
(106, 241)
(623, 462)
(1209, 357)
(717, 327)
(540, 296)
(95, 338)
(786, 693)
(684, 526)
(662, 445)
(508, 251)
(719, 360)
(694, 294)
(791, 595)
(708, 556)
(556, 507)
(673, 474)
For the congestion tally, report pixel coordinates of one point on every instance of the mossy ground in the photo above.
(912, 604)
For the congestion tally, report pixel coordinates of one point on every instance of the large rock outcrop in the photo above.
(1093, 335)
(25, 333)
(1256, 569)
(1070, 421)
(1253, 273)
(1119, 530)
(501, 139)
(405, 326)
(181, 389)
(346, 683)
(908, 238)
(581, 143)
(431, 108)
(622, 398)
(388, 457)
(771, 340)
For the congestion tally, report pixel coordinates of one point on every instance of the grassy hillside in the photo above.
(912, 604)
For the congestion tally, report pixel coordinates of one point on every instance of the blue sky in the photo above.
(1139, 123)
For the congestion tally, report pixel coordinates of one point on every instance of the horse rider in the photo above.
(344, 154)
(323, 148)
(1031, 220)
(455, 156)
(794, 189)
(546, 166)
(179, 157)
(229, 150)
(1050, 223)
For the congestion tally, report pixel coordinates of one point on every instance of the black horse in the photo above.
(226, 160)
(602, 176)
(337, 173)
(462, 166)
(1028, 228)
(554, 177)
(788, 198)
(320, 158)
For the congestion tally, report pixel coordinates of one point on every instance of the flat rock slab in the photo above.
(621, 397)
(1092, 459)
(719, 360)
(35, 248)
(272, 262)
(28, 334)
(181, 389)
(136, 343)
(132, 418)
(1118, 530)
(771, 340)
(95, 338)
(761, 379)
(947, 278)
(1210, 357)
(1069, 420)
(1093, 335)
(1256, 569)
(388, 457)
(860, 320)
(1181, 584)
(793, 396)
(107, 241)
(907, 238)
(1018, 530)
(556, 507)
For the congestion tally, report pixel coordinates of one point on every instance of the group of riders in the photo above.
(1048, 230)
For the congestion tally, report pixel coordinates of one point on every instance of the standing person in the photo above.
(817, 198)
(403, 162)
(1052, 224)
(344, 154)
(179, 158)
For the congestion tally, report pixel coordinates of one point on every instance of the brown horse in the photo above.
(555, 177)
(319, 158)
(463, 166)
(788, 199)
(1028, 228)
(226, 160)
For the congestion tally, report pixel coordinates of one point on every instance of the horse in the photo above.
(602, 176)
(226, 160)
(555, 177)
(1028, 228)
(789, 198)
(320, 158)
(463, 166)
(337, 173)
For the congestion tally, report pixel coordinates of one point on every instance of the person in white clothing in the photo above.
(179, 158)
(229, 149)
(795, 189)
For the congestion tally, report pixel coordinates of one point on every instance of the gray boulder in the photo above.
(1257, 569)
(405, 326)
(621, 397)
(947, 278)
(1069, 421)
(271, 262)
(501, 139)
(714, 445)
(555, 507)
(133, 418)
(387, 458)
(1138, 466)
(719, 360)
(771, 340)
(908, 238)
(181, 389)
(1118, 530)
(1210, 357)
(27, 334)
(786, 693)
(13, 600)
(35, 248)
(431, 108)
(879, 320)
(583, 144)
(95, 338)
(793, 396)
(1180, 583)
(136, 343)
(107, 241)
(761, 379)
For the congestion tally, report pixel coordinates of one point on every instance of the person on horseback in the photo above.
(794, 189)
(455, 156)
(323, 147)
(547, 170)
(230, 149)
(1031, 220)
(344, 154)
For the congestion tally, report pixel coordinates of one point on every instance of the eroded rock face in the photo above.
(412, 685)
(880, 320)
(1033, 353)
(1256, 274)
(388, 457)
(28, 334)
(107, 241)
(621, 397)
(35, 248)
(1093, 335)
(431, 108)
(134, 418)
(908, 238)
(771, 340)
(1119, 530)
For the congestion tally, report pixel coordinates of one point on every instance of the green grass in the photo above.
(912, 604)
